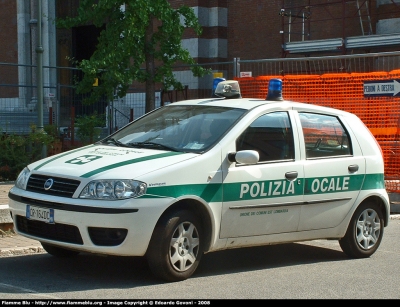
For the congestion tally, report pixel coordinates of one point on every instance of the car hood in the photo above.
(99, 161)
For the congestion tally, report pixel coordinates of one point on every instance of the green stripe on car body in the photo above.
(239, 191)
(62, 155)
(333, 184)
(374, 181)
(132, 161)
(208, 192)
(262, 189)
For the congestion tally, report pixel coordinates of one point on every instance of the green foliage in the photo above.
(17, 151)
(13, 156)
(139, 43)
(52, 131)
(89, 127)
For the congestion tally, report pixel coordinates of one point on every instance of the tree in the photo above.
(140, 41)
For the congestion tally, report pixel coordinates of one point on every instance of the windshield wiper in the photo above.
(152, 145)
(112, 141)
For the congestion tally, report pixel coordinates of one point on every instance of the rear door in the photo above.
(334, 170)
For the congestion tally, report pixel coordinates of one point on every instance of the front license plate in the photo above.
(40, 214)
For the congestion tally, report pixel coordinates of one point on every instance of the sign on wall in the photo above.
(382, 88)
(244, 74)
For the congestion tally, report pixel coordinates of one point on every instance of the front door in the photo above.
(264, 198)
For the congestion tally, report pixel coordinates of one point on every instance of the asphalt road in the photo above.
(313, 270)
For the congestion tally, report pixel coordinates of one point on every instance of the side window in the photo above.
(271, 135)
(324, 136)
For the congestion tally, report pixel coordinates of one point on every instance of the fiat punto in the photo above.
(206, 175)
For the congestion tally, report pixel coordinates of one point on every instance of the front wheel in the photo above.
(59, 251)
(364, 233)
(176, 246)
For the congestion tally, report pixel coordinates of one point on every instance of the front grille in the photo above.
(57, 232)
(61, 186)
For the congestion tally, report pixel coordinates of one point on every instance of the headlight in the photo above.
(23, 178)
(113, 189)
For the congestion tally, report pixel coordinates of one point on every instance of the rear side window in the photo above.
(271, 135)
(324, 136)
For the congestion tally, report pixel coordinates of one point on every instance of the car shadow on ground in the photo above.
(89, 272)
(266, 257)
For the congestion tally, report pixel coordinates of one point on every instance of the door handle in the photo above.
(291, 175)
(353, 168)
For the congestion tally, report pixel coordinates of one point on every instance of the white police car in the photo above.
(204, 175)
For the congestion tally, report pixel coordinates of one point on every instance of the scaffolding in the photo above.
(310, 26)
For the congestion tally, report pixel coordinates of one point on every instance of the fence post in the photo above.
(72, 125)
(236, 67)
(58, 105)
(50, 115)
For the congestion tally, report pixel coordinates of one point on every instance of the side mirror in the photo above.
(244, 157)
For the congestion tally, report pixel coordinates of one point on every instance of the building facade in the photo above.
(251, 30)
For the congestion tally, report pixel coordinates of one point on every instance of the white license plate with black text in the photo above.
(40, 214)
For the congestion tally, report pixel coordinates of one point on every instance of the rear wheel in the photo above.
(176, 246)
(365, 232)
(59, 251)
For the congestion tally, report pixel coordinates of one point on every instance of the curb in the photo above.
(12, 244)
(18, 251)
(394, 202)
(9, 226)
(5, 218)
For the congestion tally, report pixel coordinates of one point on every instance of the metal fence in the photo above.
(18, 111)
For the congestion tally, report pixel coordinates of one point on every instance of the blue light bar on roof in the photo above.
(274, 90)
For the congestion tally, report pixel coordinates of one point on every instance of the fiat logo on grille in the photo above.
(48, 184)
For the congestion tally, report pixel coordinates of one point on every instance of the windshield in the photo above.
(178, 128)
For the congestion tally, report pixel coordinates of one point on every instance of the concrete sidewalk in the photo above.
(12, 244)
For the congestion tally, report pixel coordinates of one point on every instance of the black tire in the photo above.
(59, 251)
(365, 232)
(176, 246)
